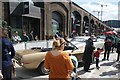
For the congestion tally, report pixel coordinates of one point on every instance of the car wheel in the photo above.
(41, 69)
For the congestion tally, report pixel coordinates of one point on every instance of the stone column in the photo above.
(82, 25)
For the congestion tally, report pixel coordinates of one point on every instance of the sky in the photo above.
(110, 12)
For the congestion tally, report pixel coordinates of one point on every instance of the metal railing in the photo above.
(31, 44)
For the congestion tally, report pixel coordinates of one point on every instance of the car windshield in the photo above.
(101, 37)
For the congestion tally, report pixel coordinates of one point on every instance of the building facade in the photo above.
(47, 18)
(113, 23)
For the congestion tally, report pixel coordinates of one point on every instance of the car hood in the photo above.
(25, 52)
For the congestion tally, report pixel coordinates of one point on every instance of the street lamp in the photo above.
(98, 13)
(102, 5)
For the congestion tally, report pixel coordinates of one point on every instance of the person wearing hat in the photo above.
(118, 50)
(87, 56)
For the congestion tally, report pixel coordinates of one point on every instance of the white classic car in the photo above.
(81, 41)
(34, 58)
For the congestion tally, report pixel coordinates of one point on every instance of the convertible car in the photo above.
(81, 41)
(34, 58)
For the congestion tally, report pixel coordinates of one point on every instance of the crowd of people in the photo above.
(24, 37)
(111, 41)
(57, 62)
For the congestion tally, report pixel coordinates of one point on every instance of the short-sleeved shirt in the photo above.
(58, 65)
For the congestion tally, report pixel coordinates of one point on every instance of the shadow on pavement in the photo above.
(83, 72)
(117, 66)
(107, 64)
(109, 73)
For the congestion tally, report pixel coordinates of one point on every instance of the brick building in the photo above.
(47, 18)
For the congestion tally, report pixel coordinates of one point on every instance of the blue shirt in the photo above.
(7, 47)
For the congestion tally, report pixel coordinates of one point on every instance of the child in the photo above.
(97, 55)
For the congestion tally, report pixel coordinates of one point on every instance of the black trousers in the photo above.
(97, 62)
(113, 46)
(7, 73)
(118, 56)
(108, 53)
(87, 66)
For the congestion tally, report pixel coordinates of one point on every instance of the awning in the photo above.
(32, 16)
(34, 12)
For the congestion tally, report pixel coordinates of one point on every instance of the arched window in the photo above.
(55, 26)
(76, 22)
(57, 21)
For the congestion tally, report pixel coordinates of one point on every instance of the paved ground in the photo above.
(109, 70)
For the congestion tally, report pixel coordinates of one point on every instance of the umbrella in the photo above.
(115, 32)
(110, 32)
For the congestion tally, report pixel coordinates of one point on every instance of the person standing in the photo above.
(118, 50)
(87, 56)
(58, 62)
(97, 55)
(25, 38)
(8, 54)
(16, 38)
(107, 46)
(31, 37)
